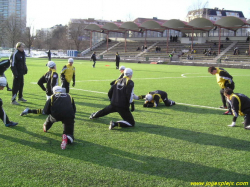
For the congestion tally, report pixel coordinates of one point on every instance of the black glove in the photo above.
(132, 107)
(142, 96)
(112, 83)
(73, 84)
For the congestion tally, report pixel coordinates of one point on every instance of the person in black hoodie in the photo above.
(117, 60)
(19, 69)
(93, 57)
(121, 97)
(61, 107)
(50, 78)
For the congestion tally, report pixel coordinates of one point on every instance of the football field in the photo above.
(188, 144)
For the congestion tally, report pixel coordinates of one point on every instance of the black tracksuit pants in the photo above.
(17, 87)
(4, 116)
(223, 98)
(128, 119)
(68, 124)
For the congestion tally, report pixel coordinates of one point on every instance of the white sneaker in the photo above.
(111, 125)
(247, 127)
(25, 112)
(14, 103)
(22, 99)
(232, 125)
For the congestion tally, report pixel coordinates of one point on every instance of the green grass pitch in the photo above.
(169, 146)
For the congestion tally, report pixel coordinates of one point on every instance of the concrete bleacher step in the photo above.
(146, 50)
(226, 50)
(109, 48)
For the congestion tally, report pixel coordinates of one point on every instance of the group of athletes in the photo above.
(60, 106)
(237, 104)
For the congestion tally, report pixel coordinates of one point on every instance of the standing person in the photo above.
(61, 107)
(122, 68)
(117, 60)
(50, 78)
(4, 65)
(93, 57)
(49, 55)
(240, 106)
(225, 80)
(68, 73)
(155, 97)
(3, 115)
(121, 97)
(19, 69)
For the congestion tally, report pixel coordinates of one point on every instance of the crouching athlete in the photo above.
(154, 98)
(61, 107)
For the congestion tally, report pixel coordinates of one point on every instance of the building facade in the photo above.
(13, 7)
(12, 21)
(216, 14)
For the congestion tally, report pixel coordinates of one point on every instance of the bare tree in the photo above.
(59, 38)
(197, 7)
(12, 30)
(28, 37)
(76, 32)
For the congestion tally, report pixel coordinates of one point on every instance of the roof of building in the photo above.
(195, 25)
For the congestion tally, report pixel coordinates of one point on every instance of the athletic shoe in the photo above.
(224, 107)
(247, 127)
(64, 141)
(14, 103)
(22, 99)
(112, 125)
(172, 103)
(25, 112)
(92, 115)
(232, 125)
(11, 124)
(227, 113)
(44, 128)
(9, 89)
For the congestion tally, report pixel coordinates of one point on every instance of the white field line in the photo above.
(182, 76)
(176, 103)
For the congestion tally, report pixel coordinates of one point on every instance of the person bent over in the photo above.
(240, 106)
(4, 65)
(61, 107)
(154, 98)
(224, 80)
(3, 115)
(121, 97)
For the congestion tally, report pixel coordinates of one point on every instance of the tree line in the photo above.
(72, 36)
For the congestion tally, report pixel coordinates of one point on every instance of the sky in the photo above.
(47, 13)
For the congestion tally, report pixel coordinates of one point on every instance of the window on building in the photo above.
(218, 13)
